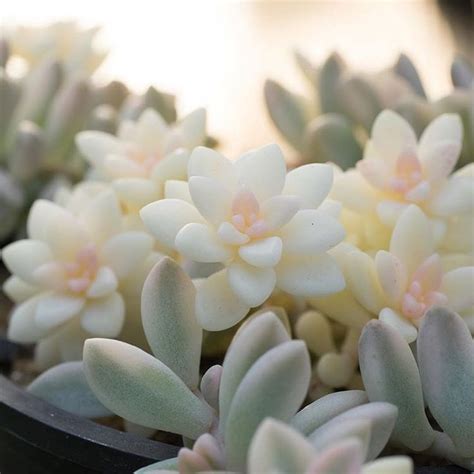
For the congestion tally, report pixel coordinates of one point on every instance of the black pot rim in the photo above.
(38, 425)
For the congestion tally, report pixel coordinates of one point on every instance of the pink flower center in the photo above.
(146, 160)
(408, 173)
(246, 215)
(81, 272)
(423, 291)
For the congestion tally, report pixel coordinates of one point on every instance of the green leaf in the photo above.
(278, 311)
(338, 430)
(287, 112)
(390, 374)
(359, 101)
(65, 386)
(169, 321)
(445, 353)
(382, 417)
(210, 384)
(308, 70)
(405, 68)
(329, 76)
(253, 340)
(329, 137)
(325, 408)
(462, 72)
(278, 448)
(284, 372)
(142, 389)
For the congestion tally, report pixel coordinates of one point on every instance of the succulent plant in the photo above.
(267, 228)
(437, 374)
(43, 109)
(334, 122)
(223, 409)
(401, 284)
(146, 158)
(340, 445)
(334, 350)
(398, 170)
(76, 274)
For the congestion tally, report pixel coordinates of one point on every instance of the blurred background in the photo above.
(218, 54)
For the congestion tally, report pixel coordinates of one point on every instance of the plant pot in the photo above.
(38, 438)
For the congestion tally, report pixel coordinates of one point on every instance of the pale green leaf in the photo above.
(140, 388)
(169, 321)
(65, 386)
(275, 386)
(390, 374)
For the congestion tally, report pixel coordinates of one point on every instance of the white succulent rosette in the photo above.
(401, 284)
(144, 156)
(269, 229)
(399, 170)
(65, 41)
(70, 275)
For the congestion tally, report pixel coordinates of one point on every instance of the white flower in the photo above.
(402, 284)
(263, 225)
(68, 275)
(398, 170)
(144, 155)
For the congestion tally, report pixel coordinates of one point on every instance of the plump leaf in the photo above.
(308, 70)
(330, 137)
(405, 68)
(253, 340)
(169, 321)
(462, 72)
(324, 409)
(343, 457)
(359, 100)
(66, 387)
(328, 79)
(278, 448)
(389, 465)
(443, 447)
(287, 112)
(140, 388)
(168, 465)
(382, 417)
(278, 311)
(338, 430)
(283, 372)
(210, 384)
(445, 353)
(390, 374)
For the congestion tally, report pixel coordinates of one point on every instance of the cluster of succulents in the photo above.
(438, 375)
(226, 417)
(337, 303)
(334, 121)
(48, 93)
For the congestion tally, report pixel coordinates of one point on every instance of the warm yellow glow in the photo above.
(217, 54)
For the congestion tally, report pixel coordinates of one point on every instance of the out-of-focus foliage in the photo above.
(333, 121)
(44, 103)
